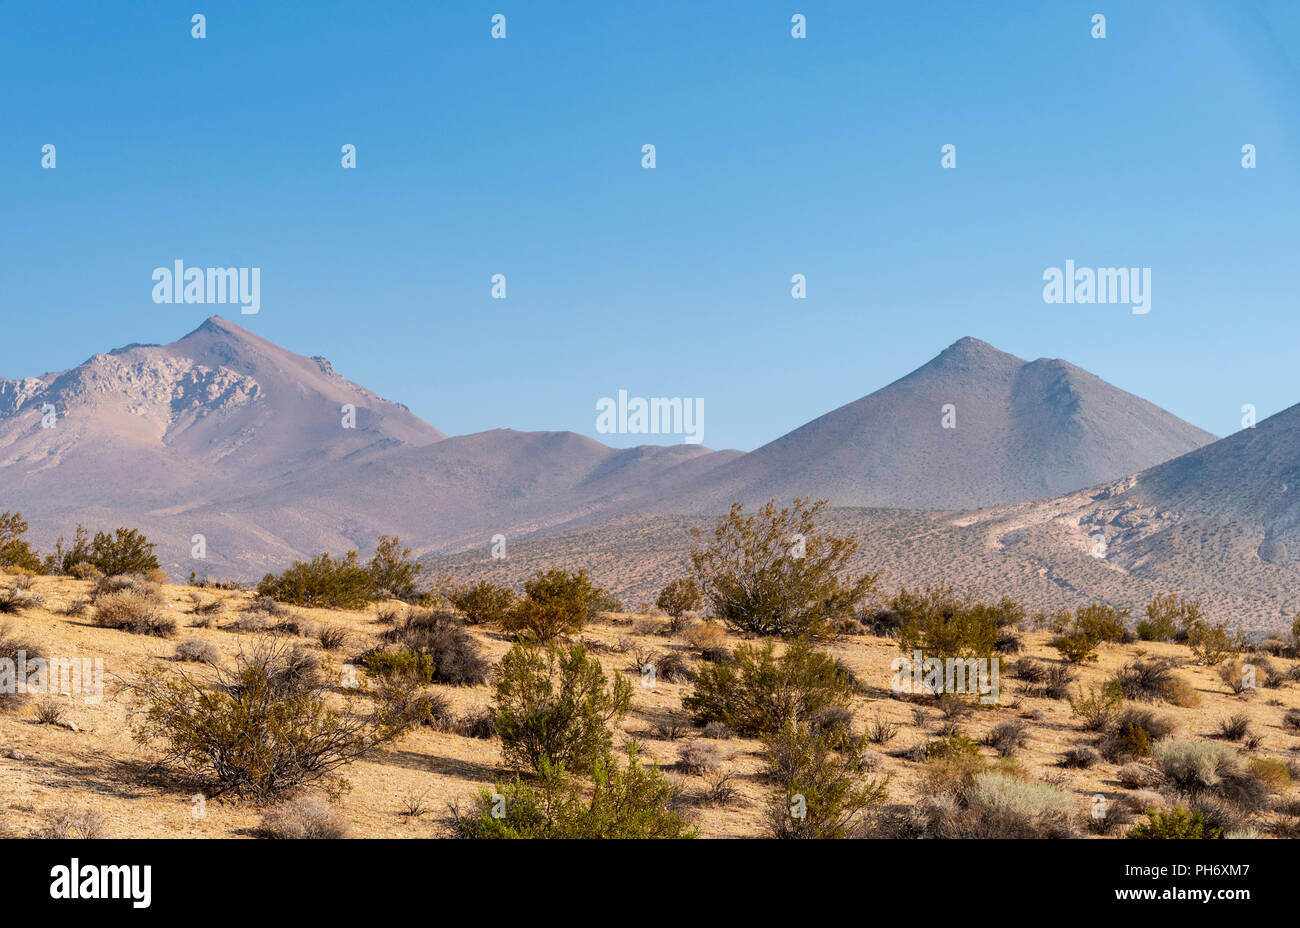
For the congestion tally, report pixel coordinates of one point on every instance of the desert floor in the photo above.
(98, 765)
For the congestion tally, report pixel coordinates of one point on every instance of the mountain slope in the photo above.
(1023, 430)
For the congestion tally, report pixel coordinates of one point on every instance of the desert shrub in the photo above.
(679, 597)
(555, 706)
(672, 668)
(196, 650)
(399, 664)
(391, 570)
(1174, 823)
(698, 758)
(261, 727)
(1029, 670)
(484, 602)
(14, 649)
(952, 763)
(1089, 626)
(49, 711)
(84, 570)
(1007, 807)
(704, 636)
(73, 822)
(323, 582)
(443, 639)
(632, 801)
(1007, 737)
(331, 637)
(1140, 776)
(1097, 706)
(556, 603)
(1291, 719)
(883, 623)
(305, 817)
(14, 549)
(1235, 728)
(775, 573)
(1195, 766)
(210, 609)
(1081, 756)
(1057, 679)
(126, 551)
(1274, 774)
(1168, 618)
(758, 692)
(1147, 679)
(819, 791)
(881, 730)
(1132, 734)
(133, 612)
(12, 602)
(1076, 647)
(1211, 644)
(1144, 800)
(719, 731)
(939, 623)
(480, 723)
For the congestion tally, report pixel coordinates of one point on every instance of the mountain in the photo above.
(226, 435)
(1220, 525)
(223, 433)
(1021, 430)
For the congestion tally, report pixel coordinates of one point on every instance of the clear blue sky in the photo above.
(775, 156)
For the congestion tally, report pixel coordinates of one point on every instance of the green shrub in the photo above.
(679, 597)
(942, 624)
(336, 583)
(262, 727)
(819, 791)
(624, 802)
(484, 602)
(1168, 617)
(14, 549)
(555, 706)
(556, 602)
(400, 664)
(1174, 823)
(759, 693)
(1211, 644)
(1077, 647)
(392, 571)
(774, 573)
(1096, 706)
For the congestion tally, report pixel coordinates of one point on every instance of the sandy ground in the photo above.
(99, 765)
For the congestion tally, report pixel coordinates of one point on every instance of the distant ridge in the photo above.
(1022, 430)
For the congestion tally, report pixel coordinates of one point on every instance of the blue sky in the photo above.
(775, 156)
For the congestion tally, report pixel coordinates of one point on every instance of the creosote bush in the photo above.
(484, 602)
(774, 573)
(942, 624)
(1169, 618)
(629, 801)
(820, 792)
(679, 597)
(555, 706)
(759, 693)
(263, 726)
(556, 602)
(324, 582)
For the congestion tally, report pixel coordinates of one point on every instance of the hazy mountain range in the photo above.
(225, 434)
